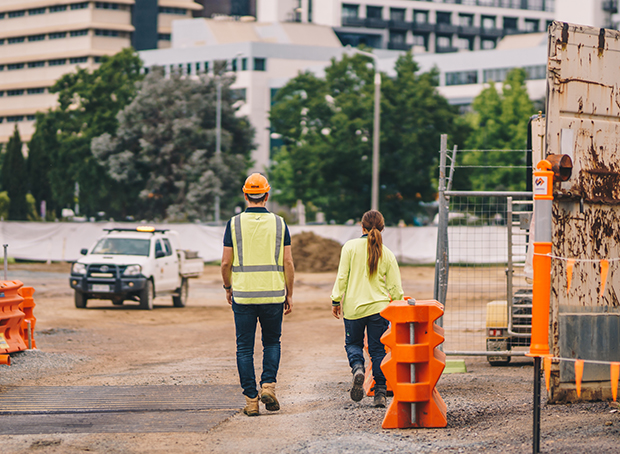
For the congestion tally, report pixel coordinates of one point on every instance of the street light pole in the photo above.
(374, 195)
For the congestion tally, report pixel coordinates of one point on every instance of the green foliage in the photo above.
(31, 205)
(39, 160)
(88, 103)
(499, 122)
(15, 178)
(4, 205)
(327, 124)
(162, 157)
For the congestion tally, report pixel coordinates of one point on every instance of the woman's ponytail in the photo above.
(374, 223)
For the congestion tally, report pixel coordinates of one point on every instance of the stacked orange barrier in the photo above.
(11, 317)
(416, 402)
(369, 381)
(27, 307)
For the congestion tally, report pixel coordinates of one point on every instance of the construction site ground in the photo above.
(121, 348)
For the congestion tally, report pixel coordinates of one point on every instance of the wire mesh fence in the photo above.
(481, 274)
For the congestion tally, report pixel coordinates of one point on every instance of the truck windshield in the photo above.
(122, 246)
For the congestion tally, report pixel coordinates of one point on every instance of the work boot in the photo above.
(380, 393)
(268, 397)
(251, 406)
(357, 391)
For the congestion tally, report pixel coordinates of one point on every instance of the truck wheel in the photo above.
(118, 301)
(498, 344)
(80, 300)
(180, 299)
(146, 296)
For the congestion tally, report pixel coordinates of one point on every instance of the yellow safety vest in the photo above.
(258, 262)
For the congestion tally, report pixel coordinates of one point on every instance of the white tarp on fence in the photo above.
(62, 241)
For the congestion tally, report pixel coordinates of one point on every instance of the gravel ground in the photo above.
(489, 408)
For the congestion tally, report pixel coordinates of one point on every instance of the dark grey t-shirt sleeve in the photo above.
(228, 236)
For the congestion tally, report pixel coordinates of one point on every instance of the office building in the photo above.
(40, 40)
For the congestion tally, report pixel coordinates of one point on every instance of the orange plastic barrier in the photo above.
(11, 317)
(27, 307)
(5, 359)
(369, 381)
(416, 402)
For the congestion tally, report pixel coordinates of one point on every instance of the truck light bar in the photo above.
(142, 228)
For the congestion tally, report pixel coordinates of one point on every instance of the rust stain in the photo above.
(601, 42)
(564, 35)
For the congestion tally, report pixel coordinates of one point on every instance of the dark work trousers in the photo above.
(246, 318)
(375, 326)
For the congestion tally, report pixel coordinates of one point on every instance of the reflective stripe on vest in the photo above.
(261, 281)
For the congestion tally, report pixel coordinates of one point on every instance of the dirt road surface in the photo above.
(489, 409)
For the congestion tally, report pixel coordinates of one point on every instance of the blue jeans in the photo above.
(375, 326)
(270, 318)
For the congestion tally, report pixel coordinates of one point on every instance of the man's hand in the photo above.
(336, 311)
(288, 305)
(229, 295)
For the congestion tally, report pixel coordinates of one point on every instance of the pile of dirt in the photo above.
(314, 254)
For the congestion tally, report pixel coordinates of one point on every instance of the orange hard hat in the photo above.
(256, 184)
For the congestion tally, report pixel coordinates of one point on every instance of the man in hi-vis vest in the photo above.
(258, 274)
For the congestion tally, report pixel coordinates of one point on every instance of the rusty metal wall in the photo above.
(583, 121)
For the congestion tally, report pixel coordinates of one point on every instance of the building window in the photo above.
(36, 91)
(374, 12)
(16, 40)
(17, 13)
(233, 64)
(97, 59)
(74, 33)
(487, 44)
(106, 5)
(465, 43)
(350, 11)
(420, 40)
(444, 42)
(397, 37)
(244, 64)
(238, 94)
(420, 17)
(510, 23)
(76, 60)
(14, 92)
(487, 22)
(82, 5)
(58, 8)
(35, 11)
(536, 72)
(169, 10)
(466, 20)
(444, 18)
(164, 37)
(397, 14)
(462, 78)
(1, 41)
(36, 64)
(206, 67)
(259, 64)
(14, 66)
(1, 15)
(57, 62)
(99, 32)
(531, 25)
(57, 35)
(36, 37)
(31, 117)
(14, 118)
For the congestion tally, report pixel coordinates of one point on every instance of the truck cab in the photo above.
(134, 265)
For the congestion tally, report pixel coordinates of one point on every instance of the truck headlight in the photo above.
(132, 270)
(78, 268)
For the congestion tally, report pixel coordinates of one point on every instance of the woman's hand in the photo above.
(336, 311)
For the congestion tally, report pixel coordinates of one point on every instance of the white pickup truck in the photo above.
(137, 265)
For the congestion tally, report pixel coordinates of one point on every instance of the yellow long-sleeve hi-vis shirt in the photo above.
(360, 295)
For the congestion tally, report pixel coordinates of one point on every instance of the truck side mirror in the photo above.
(159, 254)
(83, 251)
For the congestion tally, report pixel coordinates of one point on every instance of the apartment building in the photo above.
(434, 26)
(40, 40)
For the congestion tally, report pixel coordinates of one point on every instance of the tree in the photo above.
(326, 125)
(40, 162)
(88, 103)
(14, 178)
(499, 123)
(163, 155)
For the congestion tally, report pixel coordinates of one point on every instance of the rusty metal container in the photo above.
(583, 122)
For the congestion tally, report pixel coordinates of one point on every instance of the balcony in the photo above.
(491, 32)
(393, 45)
(422, 27)
(610, 6)
(353, 22)
(446, 28)
(446, 49)
(469, 30)
(399, 25)
(375, 22)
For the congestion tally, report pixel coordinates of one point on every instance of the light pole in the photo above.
(374, 199)
(218, 131)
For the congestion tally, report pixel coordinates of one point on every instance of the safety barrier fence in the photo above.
(17, 319)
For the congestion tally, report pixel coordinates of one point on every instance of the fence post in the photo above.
(441, 256)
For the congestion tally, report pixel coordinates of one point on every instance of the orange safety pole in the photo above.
(543, 200)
